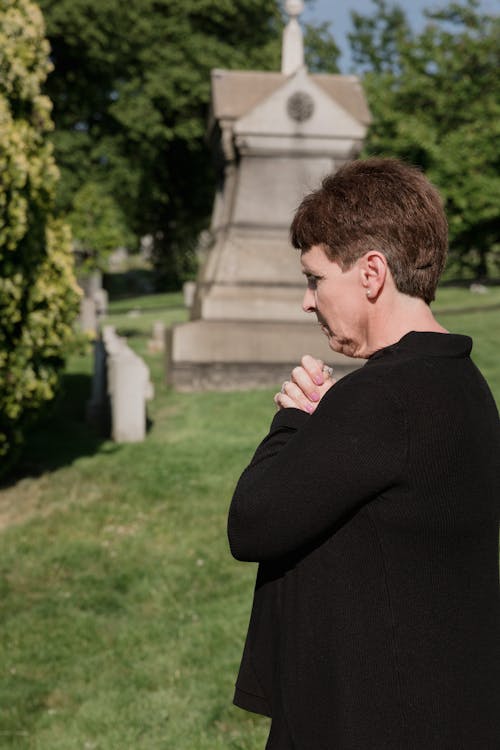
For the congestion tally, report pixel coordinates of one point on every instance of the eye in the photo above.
(312, 281)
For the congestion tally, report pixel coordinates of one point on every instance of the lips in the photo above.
(323, 325)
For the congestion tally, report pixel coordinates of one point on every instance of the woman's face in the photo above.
(338, 298)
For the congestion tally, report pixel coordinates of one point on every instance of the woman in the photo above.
(372, 504)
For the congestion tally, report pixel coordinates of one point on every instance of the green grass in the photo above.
(452, 298)
(478, 316)
(122, 614)
(153, 302)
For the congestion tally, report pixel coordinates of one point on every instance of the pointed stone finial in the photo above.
(292, 55)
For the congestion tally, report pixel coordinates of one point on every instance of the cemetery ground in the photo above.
(122, 613)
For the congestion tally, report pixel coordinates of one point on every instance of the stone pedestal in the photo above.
(229, 355)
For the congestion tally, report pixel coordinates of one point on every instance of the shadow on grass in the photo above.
(132, 283)
(62, 434)
(133, 333)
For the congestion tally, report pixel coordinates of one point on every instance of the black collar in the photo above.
(430, 344)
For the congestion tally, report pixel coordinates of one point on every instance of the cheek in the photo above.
(329, 300)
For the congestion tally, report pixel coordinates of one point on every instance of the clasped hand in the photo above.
(308, 383)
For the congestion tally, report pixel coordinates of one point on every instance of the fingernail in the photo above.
(315, 396)
(310, 408)
(318, 379)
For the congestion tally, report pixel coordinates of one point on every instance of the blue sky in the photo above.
(338, 12)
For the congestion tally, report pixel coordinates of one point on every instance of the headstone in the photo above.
(276, 136)
(118, 260)
(94, 302)
(90, 283)
(188, 291)
(477, 288)
(129, 388)
(146, 248)
(97, 411)
(87, 319)
(157, 341)
(101, 302)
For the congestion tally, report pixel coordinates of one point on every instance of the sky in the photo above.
(338, 12)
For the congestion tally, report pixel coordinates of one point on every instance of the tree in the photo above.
(321, 51)
(435, 99)
(98, 226)
(131, 93)
(38, 292)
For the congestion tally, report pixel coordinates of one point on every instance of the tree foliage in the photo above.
(435, 99)
(98, 226)
(320, 49)
(38, 292)
(131, 88)
(131, 93)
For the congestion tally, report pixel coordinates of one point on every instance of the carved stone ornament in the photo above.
(300, 106)
(294, 7)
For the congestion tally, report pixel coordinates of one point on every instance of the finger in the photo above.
(329, 382)
(300, 400)
(314, 368)
(303, 380)
(283, 401)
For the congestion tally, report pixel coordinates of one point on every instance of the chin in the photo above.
(336, 346)
(348, 348)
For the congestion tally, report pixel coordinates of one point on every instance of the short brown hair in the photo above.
(378, 204)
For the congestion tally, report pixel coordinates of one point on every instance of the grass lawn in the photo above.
(122, 614)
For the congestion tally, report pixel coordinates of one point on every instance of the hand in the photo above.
(307, 385)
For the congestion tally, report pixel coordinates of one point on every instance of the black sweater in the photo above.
(376, 616)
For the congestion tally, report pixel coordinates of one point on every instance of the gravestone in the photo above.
(97, 408)
(121, 386)
(87, 318)
(157, 341)
(188, 292)
(93, 304)
(275, 136)
(129, 387)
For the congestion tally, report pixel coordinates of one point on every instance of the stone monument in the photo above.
(275, 135)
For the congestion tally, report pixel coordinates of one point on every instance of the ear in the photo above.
(373, 270)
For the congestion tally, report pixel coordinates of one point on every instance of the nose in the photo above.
(308, 303)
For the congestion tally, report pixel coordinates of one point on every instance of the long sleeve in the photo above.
(312, 471)
(376, 613)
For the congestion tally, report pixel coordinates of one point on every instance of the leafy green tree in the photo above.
(321, 51)
(435, 99)
(98, 226)
(131, 89)
(131, 93)
(38, 292)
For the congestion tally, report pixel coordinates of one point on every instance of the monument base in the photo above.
(206, 355)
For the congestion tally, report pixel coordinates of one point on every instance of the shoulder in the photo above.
(377, 378)
(368, 400)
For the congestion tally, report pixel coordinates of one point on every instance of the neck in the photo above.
(389, 322)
